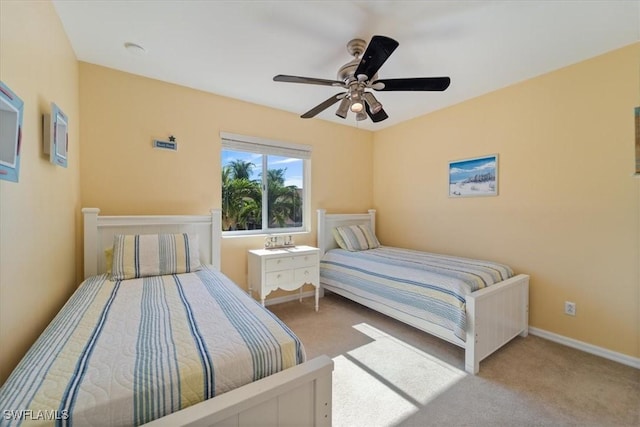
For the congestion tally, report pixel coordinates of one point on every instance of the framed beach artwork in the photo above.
(477, 176)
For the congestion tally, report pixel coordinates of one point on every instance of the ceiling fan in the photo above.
(360, 74)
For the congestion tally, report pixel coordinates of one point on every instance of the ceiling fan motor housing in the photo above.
(345, 73)
(356, 48)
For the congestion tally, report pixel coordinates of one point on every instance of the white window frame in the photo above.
(266, 147)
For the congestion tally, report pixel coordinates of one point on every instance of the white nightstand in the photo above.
(288, 269)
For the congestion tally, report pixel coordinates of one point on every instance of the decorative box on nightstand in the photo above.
(288, 269)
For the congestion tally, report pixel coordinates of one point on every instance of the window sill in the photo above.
(261, 234)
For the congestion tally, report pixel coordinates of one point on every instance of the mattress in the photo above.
(127, 352)
(430, 287)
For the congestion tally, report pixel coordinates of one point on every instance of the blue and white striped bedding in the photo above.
(427, 286)
(127, 352)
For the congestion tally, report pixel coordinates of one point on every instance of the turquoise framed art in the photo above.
(56, 136)
(11, 112)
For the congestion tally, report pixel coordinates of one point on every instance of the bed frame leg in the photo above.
(525, 315)
(323, 401)
(471, 361)
(471, 366)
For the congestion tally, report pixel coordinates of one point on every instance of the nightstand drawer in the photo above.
(277, 264)
(278, 278)
(300, 261)
(305, 274)
(287, 263)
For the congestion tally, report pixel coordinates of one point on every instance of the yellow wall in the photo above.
(123, 174)
(568, 210)
(39, 215)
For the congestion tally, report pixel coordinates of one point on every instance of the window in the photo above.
(258, 173)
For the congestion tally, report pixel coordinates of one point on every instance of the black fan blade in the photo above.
(323, 106)
(418, 83)
(307, 80)
(377, 117)
(379, 49)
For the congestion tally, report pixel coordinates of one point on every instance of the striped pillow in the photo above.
(356, 237)
(143, 255)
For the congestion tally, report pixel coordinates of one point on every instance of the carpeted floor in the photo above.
(389, 374)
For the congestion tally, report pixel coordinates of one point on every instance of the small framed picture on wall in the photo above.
(11, 108)
(56, 136)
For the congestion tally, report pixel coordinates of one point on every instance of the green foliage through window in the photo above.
(246, 189)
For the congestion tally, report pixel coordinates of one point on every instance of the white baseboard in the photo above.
(287, 298)
(634, 362)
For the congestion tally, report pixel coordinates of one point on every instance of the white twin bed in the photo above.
(477, 305)
(165, 339)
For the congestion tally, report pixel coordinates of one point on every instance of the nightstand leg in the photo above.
(317, 297)
(263, 302)
(300, 296)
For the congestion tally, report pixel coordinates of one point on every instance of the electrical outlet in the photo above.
(570, 308)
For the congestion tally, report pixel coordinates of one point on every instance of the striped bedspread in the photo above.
(427, 286)
(127, 352)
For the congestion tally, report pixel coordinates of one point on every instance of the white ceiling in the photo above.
(234, 48)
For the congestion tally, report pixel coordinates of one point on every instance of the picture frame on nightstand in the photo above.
(278, 242)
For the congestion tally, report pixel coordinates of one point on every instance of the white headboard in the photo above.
(327, 222)
(100, 230)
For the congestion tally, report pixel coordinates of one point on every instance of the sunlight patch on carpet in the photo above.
(388, 379)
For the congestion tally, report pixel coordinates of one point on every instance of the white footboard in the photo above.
(298, 396)
(495, 315)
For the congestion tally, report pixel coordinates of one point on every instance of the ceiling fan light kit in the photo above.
(374, 105)
(361, 73)
(343, 108)
(356, 101)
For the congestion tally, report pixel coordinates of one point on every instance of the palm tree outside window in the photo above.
(253, 178)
